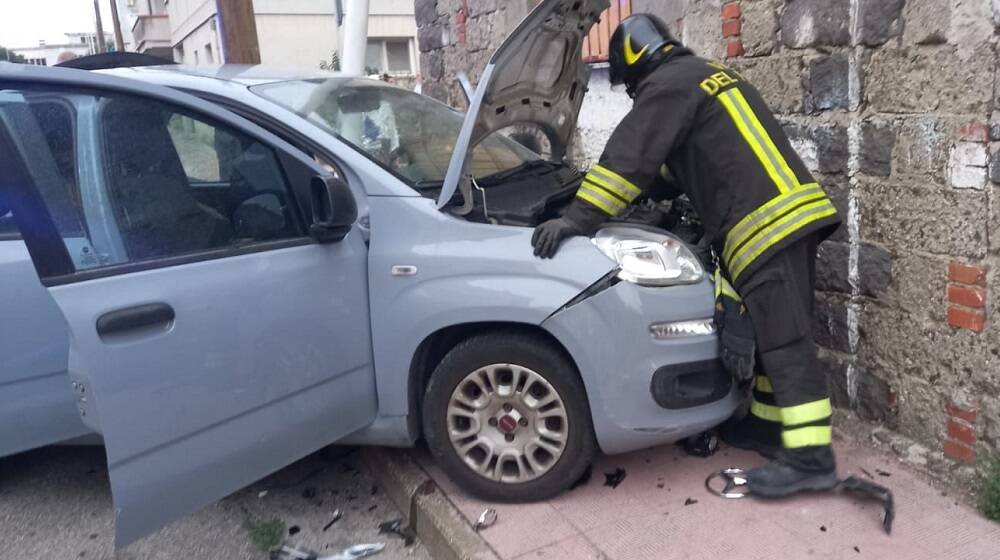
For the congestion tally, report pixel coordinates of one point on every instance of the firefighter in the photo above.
(761, 207)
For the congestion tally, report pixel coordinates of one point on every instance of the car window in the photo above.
(410, 134)
(45, 132)
(155, 181)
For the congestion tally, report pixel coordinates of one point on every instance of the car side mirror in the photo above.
(334, 210)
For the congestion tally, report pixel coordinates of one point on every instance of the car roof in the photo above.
(247, 75)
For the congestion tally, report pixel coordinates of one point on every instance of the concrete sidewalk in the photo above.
(645, 517)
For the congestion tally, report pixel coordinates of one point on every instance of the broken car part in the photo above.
(704, 444)
(613, 479)
(396, 527)
(337, 514)
(735, 487)
(486, 519)
(351, 553)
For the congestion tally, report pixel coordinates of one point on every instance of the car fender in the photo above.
(429, 271)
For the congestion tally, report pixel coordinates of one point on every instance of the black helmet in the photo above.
(637, 47)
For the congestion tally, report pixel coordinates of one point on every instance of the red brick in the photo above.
(964, 319)
(731, 10)
(731, 28)
(961, 433)
(959, 452)
(969, 296)
(967, 274)
(967, 414)
(734, 48)
(974, 132)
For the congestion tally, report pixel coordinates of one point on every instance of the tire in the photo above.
(525, 373)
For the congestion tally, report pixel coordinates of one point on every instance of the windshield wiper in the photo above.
(526, 166)
(427, 184)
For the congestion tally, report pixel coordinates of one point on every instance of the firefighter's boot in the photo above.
(811, 469)
(760, 429)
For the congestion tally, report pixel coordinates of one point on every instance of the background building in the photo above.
(298, 34)
(147, 23)
(46, 54)
(894, 106)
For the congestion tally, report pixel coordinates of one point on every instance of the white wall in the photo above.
(297, 41)
(194, 45)
(602, 110)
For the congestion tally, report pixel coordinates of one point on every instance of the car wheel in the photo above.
(506, 417)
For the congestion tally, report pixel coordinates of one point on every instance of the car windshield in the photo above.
(410, 134)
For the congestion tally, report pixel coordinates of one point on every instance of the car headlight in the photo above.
(648, 258)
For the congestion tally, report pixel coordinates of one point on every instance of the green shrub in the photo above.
(266, 535)
(989, 494)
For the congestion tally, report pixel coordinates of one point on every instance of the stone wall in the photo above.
(891, 103)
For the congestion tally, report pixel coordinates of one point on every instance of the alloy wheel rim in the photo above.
(507, 423)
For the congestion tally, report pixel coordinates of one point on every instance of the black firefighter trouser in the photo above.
(793, 389)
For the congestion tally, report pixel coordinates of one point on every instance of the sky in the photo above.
(24, 22)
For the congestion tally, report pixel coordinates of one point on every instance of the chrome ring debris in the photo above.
(734, 478)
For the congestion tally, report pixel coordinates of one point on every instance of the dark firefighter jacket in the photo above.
(717, 137)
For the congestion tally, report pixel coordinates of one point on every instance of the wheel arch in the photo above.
(435, 346)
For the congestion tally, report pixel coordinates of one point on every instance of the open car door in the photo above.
(217, 334)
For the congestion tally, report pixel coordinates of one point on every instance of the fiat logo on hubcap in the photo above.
(507, 424)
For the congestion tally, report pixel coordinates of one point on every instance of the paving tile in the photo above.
(640, 519)
(574, 548)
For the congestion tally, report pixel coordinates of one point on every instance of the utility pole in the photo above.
(119, 41)
(100, 29)
(355, 37)
(237, 30)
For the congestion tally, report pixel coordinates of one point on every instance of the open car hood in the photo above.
(537, 76)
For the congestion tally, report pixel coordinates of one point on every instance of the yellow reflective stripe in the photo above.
(724, 288)
(764, 384)
(769, 146)
(805, 413)
(769, 212)
(598, 183)
(613, 177)
(765, 411)
(804, 437)
(610, 206)
(776, 232)
(754, 134)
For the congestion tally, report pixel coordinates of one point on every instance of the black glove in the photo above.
(549, 235)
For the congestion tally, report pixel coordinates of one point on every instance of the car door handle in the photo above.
(131, 318)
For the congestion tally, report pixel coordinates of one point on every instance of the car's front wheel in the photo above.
(506, 417)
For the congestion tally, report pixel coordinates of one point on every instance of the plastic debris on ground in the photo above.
(337, 514)
(351, 553)
(396, 527)
(486, 519)
(704, 444)
(613, 479)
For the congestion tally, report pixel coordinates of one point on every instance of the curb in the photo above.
(441, 528)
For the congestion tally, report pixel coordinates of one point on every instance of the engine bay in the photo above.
(540, 190)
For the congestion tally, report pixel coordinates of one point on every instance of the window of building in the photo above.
(209, 57)
(36, 61)
(595, 45)
(388, 56)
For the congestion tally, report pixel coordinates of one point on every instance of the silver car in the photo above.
(254, 265)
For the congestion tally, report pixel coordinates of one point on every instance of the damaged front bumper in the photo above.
(648, 361)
